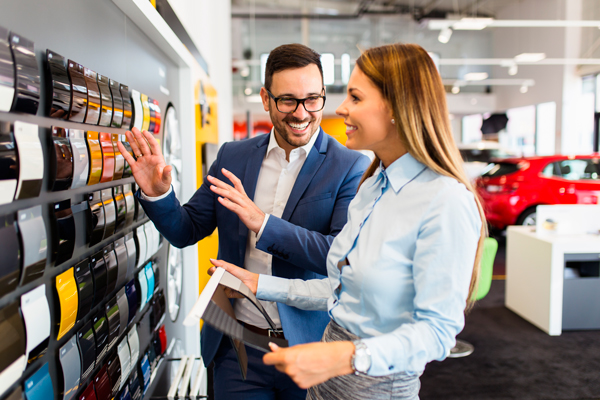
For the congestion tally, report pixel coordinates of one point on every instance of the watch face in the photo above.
(174, 281)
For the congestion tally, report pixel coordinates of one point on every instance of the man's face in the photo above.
(296, 129)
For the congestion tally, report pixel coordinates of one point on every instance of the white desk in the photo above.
(535, 273)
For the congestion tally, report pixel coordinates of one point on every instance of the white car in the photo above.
(477, 156)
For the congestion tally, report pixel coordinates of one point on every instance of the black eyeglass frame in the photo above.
(298, 102)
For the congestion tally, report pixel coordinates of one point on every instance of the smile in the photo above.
(298, 126)
(350, 128)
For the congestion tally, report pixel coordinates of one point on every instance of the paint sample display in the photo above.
(31, 160)
(146, 113)
(106, 111)
(100, 326)
(119, 159)
(93, 92)
(134, 386)
(108, 156)
(39, 384)
(85, 288)
(115, 89)
(86, 343)
(145, 372)
(60, 84)
(114, 321)
(27, 83)
(138, 111)
(127, 168)
(12, 351)
(95, 157)
(125, 360)
(9, 167)
(112, 267)
(81, 162)
(78, 92)
(134, 344)
(142, 245)
(150, 278)
(88, 393)
(7, 72)
(61, 160)
(99, 276)
(132, 299)
(130, 204)
(95, 218)
(36, 315)
(114, 373)
(143, 288)
(10, 268)
(102, 385)
(34, 243)
(123, 310)
(127, 107)
(131, 253)
(64, 235)
(121, 208)
(66, 288)
(121, 253)
(70, 364)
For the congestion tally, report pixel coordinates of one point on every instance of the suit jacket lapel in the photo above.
(313, 161)
(249, 181)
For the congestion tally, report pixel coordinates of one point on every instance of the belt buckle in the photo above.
(275, 332)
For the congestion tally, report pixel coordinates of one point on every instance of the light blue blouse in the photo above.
(410, 240)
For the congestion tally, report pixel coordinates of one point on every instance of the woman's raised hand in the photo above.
(149, 168)
(250, 279)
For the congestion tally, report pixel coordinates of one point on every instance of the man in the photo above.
(287, 198)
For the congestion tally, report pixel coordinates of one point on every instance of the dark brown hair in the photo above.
(290, 56)
(412, 87)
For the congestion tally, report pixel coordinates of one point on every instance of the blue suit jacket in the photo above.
(299, 241)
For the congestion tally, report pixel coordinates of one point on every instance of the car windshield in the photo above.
(483, 155)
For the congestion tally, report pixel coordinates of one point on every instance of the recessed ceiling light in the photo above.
(524, 89)
(513, 69)
(530, 57)
(476, 76)
(455, 89)
(248, 91)
(472, 24)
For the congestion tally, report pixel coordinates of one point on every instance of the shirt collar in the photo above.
(402, 171)
(274, 145)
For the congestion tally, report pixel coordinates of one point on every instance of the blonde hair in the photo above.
(413, 89)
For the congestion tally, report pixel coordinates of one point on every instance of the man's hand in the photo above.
(149, 169)
(235, 199)
(250, 279)
(312, 363)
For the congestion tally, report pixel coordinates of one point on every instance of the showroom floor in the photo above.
(515, 360)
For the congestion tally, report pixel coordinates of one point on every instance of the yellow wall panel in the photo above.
(335, 127)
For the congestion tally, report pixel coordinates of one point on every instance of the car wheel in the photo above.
(528, 217)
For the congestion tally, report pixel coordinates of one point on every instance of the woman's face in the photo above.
(367, 117)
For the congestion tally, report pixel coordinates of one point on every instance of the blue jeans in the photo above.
(263, 382)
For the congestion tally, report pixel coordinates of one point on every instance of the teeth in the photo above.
(298, 126)
(350, 128)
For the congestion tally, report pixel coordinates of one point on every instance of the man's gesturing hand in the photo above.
(234, 198)
(149, 169)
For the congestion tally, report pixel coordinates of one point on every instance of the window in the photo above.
(574, 170)
(548, 172)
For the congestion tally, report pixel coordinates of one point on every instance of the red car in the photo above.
(512, 188)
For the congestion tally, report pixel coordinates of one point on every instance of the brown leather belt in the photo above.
(278, 333)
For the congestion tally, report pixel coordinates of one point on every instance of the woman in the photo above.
(404, 267)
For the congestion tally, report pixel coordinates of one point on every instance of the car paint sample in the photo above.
(34, 240)
(93, 100)
(27, 74)
(132, 299)
(162, 335)
(145, 372)
(61, 159)
(121, 254)
(106, 112)
(119, 159)
(125, 360)
(31, 160)
(100, 327)
(81, 159)
(138, 110)
(110, 212)
(142, 245)
(60, 84)
(36, 315)
(134, 345)
(96, 220)
(127, 108)
(152, 112)
(10, 268)
(130, 204)
(85, 288)
(100, 277)
(115, 89)
(63, 237)
(66, 288)
(78, 92)
(114, 372)
(146, 112)
(123, 310)
(12, 351)
(157, 116)
(121, 208)
(71, 368)
(102, 385)
(95, 157)
(134, 385)
(86, 343)
(150, 278)
(112, 268)
(114, 321)
(126, 168)
(88, 393)
(108, 156)
(125, 393)
(39, 384)
(9, 166)
(143, 288)
(7, 72)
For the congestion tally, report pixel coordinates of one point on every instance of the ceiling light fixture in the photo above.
(513, 69)
(445, 34)
(455, 89)
(476, 76)
(524, 89)
(248, 91)
(482, 23)
(472, 24)
(530, 57)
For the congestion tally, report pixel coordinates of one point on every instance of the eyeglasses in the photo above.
(289, 105)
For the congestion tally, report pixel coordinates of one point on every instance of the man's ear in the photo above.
(264, 96)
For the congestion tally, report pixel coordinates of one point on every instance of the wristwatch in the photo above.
(361, 359)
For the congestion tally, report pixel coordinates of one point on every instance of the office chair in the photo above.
(490, 247)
